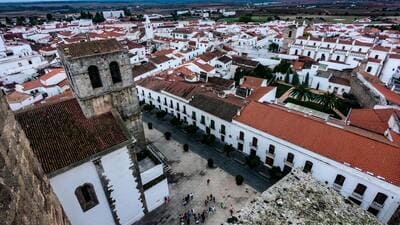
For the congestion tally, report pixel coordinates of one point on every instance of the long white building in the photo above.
(360, 164)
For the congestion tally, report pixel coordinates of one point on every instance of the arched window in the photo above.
(115, 72)
(323, 57)
(94, 76)
(86, 196)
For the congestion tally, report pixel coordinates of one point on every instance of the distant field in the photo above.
(300, 18)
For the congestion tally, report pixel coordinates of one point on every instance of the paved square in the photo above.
(190, 174)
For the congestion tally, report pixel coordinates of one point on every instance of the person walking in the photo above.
(208, 181)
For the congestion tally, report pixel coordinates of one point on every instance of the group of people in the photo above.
(191, 217)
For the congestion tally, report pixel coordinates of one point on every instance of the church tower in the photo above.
(100, 76)
(148, 29)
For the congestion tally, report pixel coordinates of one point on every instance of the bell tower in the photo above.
(100, 76)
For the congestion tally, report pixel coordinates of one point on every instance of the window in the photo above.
(290, 34)
(184, 109)
(307, 167)
(296, 52)
(290, 158)
(158, 99)
(222, 138)
(30, 62)
(171, 104)
(369, 69)
(177, 106)
(240, 146)
(254, 142)
(86, 196)
(343, 47)
(142, 92)
(339, 180)
(203, 120)
(115, 72)
(222, 131)
(380, 198)
(269, 161)
(212, 124)
(193, 115)
(376, 56)
(360, 189)
(241, 135)
(271, 149)
(309, 54)
(94, 77)
(337, 58)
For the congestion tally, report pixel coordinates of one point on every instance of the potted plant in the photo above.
(239, 179)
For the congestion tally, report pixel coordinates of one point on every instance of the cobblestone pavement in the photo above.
(189, 175)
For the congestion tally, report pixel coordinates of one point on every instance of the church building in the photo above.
(92, 147)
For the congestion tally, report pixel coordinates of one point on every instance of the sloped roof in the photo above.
(215, 106)
(339, 144)
(61, 135)
(89, 48)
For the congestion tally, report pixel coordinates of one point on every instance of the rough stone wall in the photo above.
(362, 93)
(121, 96)
(26, 197)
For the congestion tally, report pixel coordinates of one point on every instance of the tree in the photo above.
(295, 79)
(245, 18)
(49, 17)
(127, 12)
(239, 179)
(301, 93)
(239, 73)
(98, 18)
(8, 21)
(287, 78)
(263, 72)
(273, 47)
(282, 67)
(329, 101)
(21, 21)
(307, 79)
(33, 21)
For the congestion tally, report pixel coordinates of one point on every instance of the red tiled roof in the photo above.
(389, 95)
(52, 73)
(17, 97)
(338, 144)
(32, 85)
(61, 135)
(252, 82)
(375, 120)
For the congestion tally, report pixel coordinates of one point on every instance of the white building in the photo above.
(94, 172)
(342, 158)
(113, 14)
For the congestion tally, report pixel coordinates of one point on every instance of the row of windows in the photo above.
(177, 107)
(357, 194)
(94, 75)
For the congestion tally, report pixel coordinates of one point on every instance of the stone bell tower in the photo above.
(100, 76)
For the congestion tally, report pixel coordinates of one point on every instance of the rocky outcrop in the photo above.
(26, 197)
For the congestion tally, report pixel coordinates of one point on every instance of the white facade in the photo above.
(117, 169)
(323, 169)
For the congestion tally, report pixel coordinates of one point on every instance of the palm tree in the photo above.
(329, 101)
(302, 93)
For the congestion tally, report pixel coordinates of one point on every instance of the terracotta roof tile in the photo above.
(329, 141)
(61, 135)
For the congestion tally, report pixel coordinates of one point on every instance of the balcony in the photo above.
(240, 140)
(376, 205)
(337, 187)
(288, 163)
(253, 145)
(270, 155)
(222, 132)
(357, 197)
